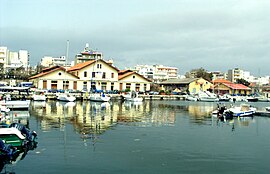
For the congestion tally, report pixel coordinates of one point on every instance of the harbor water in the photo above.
(152, 137)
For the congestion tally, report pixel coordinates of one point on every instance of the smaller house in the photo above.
(190, 85)
(222, 86)
(55, 77)
(128, 79)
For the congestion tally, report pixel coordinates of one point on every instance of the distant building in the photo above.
(87, 54)
(190, 85)
(48, 61)
(3, 55)
(157, 73)
(24, 58)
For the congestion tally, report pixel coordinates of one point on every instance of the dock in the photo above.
(262, 113)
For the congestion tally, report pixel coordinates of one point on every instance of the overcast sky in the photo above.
(187, 34)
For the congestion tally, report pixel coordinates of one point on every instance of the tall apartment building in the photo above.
(3, 55)
(235, 74)
(88, 54)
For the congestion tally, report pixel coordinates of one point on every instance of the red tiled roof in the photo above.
(81, 65)
(236, 86)
(221, 81)
(125, 73)
(50, 70)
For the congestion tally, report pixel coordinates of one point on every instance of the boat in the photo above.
(133, 96)
(241, 111)
(17, 135)
(207, 97)
(15, 104)
(99, 97)
(6, 150)
(39, 96)
(252, 99)
(66, 97)
(267, 109)
(191, 97)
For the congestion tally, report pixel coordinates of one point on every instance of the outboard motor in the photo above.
(8, 150)
(30, 135)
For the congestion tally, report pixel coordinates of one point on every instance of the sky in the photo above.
(216, 35)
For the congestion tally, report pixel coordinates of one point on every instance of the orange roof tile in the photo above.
(236, 86)
(125, 73)
(221, 81)
(50, 70)
(81, 65)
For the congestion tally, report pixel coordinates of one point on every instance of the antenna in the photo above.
(67, 52)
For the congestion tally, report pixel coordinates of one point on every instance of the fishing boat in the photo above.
(243, 110)
(66, 97)
(6, 150)
(133, 96)
(12, 136)
(17, 135)
(99, 97)
(39, 96)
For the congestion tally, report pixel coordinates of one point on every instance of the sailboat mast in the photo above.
(67, 50)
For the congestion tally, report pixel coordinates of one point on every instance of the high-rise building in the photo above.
(88, 54)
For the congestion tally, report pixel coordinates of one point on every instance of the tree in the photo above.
(199, 73)
(243, 82)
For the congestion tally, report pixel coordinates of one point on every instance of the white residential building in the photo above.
(157, 73)
(48, 61)
(88, 54)
(24, 58)
(3, 55)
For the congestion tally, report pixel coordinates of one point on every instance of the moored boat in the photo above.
(133, 96)
(15, 104)
(66, 97)
(243, 110)
(17, 135)
(39, 96)
(99, 97)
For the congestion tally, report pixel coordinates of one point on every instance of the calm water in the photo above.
(151, 137)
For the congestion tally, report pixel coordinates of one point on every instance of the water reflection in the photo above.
(93, 118)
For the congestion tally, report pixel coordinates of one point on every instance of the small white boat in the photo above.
(191, 98)
(242, 110)
(133, 96)
(207, 97)
(39, 96)
(99, 97)
(15, 104)
(66, 97)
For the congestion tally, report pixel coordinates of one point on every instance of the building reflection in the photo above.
(90, 118)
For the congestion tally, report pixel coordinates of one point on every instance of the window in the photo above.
(112, 76)
(85, 86)
(104, 75)
(59, 73)
(133, 77)
(93, 74)
(85, 74)
(99, 66)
